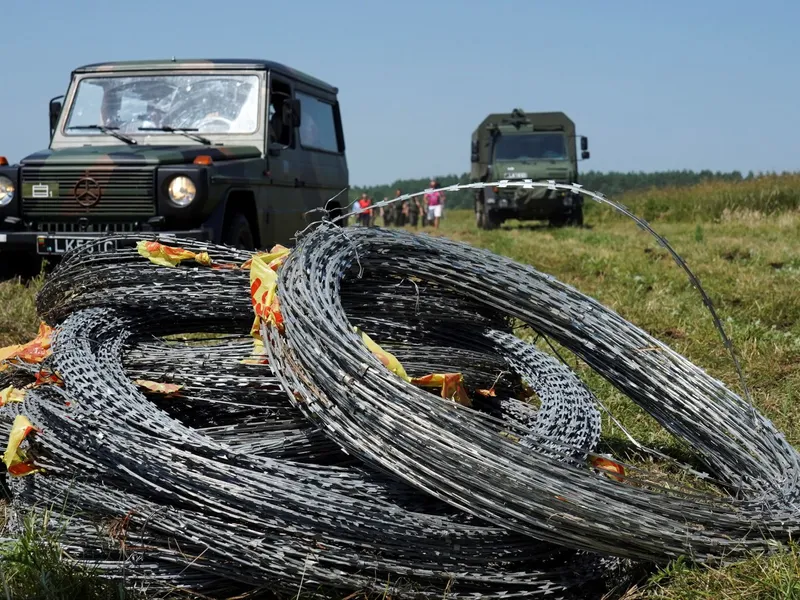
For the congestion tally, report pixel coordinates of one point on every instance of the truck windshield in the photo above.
(227, 104)
(533, 146)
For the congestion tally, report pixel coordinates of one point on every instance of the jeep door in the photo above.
(286, 204)
(322, 140)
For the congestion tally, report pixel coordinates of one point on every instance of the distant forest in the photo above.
(612, 184)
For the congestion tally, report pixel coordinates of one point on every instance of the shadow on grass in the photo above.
(539, 226)
(24, 268)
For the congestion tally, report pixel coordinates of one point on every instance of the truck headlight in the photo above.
(6, 190)
(182, 190)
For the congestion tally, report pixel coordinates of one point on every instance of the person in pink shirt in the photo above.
(434, 202)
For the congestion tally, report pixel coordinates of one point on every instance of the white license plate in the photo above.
(516, 175)
(61, 244)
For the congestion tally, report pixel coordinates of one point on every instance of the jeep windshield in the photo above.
(161, 105)
(530, 146)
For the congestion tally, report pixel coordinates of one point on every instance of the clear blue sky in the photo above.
(655, 85)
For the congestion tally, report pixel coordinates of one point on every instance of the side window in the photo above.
(279, 133)
(317, 124)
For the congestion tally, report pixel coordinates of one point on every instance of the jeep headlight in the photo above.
(182, 190)
(6, 190)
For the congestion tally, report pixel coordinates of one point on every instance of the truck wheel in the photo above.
(238, 233)
(490, 220)
(559, 219)
(480, 214)
(485, 219)
(577, 217)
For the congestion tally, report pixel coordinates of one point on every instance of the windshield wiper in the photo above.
(108, 131)
(181, 130)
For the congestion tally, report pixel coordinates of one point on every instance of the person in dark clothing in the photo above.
(387, 212)
(398, 208)
(414, 210)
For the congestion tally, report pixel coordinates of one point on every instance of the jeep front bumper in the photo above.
(55, 244)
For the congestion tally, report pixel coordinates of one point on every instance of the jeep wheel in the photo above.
(238, 233)
(336, 213)
(24, 265)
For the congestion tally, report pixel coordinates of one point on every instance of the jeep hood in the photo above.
(136, 155)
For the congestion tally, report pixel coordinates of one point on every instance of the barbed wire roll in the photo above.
(185, 295)
(96, 275)
(227, 394)
(101, 432)
(454, 454)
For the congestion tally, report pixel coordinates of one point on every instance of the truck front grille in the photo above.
(124, 192)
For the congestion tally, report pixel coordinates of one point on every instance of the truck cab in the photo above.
(533, 146)
(240, 152)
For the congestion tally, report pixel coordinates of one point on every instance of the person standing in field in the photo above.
(387, 212)
(365, 216)
(434, 202)
(400, 211)
(414, 209)
(373, 213)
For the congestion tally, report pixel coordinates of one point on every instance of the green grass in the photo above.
(773, 578)
(36, 567)
(743, 242)
(18, 310)
(749, 268)
(712, 201)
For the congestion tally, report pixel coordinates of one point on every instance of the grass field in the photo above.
(742, 240)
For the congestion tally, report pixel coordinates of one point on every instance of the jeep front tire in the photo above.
(238, 233)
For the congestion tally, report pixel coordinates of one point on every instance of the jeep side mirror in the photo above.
(584, 143)
(475, 152)
(291, 113)
(286, 113)
(55, 113)
(585, 154)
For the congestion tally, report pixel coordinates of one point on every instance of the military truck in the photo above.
(230, 151)
(516, 146)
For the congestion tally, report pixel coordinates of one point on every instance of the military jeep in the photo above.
(239, 152)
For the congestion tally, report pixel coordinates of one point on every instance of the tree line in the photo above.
(612, 183)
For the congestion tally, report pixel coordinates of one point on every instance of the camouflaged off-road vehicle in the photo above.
(231, 151)
(536, 146)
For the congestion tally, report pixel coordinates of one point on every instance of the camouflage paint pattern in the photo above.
(275, 189)
(140, 155)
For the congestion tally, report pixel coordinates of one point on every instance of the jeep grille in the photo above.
(67, 227)
(125, 193)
